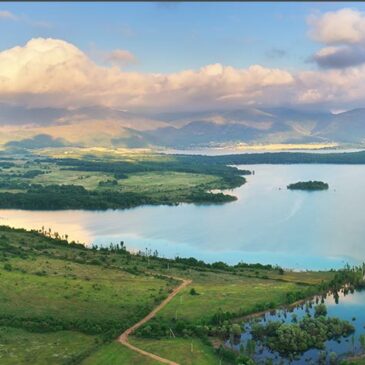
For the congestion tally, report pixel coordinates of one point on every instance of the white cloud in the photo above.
(345, 26)
(333, 88)
(343, 34)
(55, 72)
(121, 57)
(52, 72)
(4, 14)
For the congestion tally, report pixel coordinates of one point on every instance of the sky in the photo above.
(178, 56)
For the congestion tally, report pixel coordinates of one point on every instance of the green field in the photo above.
(71, 292)
(150, 183)
(102, 179)
(226, 292)
(116, 354)
(65, 304)
(182, 350)
(18, 346)
(68, 296)
(57, 176)
(243, 290)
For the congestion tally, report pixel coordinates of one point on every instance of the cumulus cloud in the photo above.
(343, 34)
(52, 72)
(340, 56)
(338, 27)
(331, 88)
(55, 73)
(121, 57)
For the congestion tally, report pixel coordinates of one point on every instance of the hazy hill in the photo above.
(102, 126)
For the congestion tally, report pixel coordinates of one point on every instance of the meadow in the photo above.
(102, 179)
(68, 303)
(18, 346)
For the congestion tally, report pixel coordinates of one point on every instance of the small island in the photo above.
(308, 185)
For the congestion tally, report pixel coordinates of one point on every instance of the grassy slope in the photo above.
(231, 292)
(41, 281)
(178, 349)
(182, 350)
(116, 354)
(42, 278)
(18, 346)
(47, 287)
(226, 292)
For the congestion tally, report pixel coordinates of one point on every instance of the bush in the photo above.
(236, 330)
(320, 310)
(8, 267)
(193, 292)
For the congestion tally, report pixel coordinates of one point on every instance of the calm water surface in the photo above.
(350, 308)
(267, 224)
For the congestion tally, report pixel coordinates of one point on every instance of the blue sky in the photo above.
(178, 56)
(168, 37)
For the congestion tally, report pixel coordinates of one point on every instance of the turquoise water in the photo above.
(267, 224)
(350, 308)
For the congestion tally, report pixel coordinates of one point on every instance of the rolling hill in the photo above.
(102, 126)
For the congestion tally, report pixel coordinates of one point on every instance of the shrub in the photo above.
(8, 267)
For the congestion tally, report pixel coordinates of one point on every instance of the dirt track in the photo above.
(123, 338)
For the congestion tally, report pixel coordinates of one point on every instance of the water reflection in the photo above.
(267, 223)
(350, 307)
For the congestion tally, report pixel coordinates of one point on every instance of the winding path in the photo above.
(123, 338)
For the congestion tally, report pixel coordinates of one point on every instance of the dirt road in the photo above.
(123, 338)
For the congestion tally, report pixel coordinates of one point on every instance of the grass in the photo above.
(57, 176)
(240, 290)
(307, 277)
(21, 347)
(70, 291)
(224, 291)
(153, 178)
(356, 361)
(162, 183)
(117, 354)
(127, 154)
(181, 350)
(52, 286)
(149, 183)
(77, 300)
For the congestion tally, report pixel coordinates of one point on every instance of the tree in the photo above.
(236, 330)
(320, 310)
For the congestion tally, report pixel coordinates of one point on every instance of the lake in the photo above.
(350, 308)
(267, 224)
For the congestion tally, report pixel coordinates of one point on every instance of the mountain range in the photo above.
(102, 126)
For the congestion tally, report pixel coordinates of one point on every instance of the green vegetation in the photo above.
(351, 158)
(102, 179)
(116, 354)
(296, 338)
(360, 360)
(78, 300)
(18, 346)
(182, 350)
(308, 185)
(222, 295)
(99, 181)
(48, 287)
